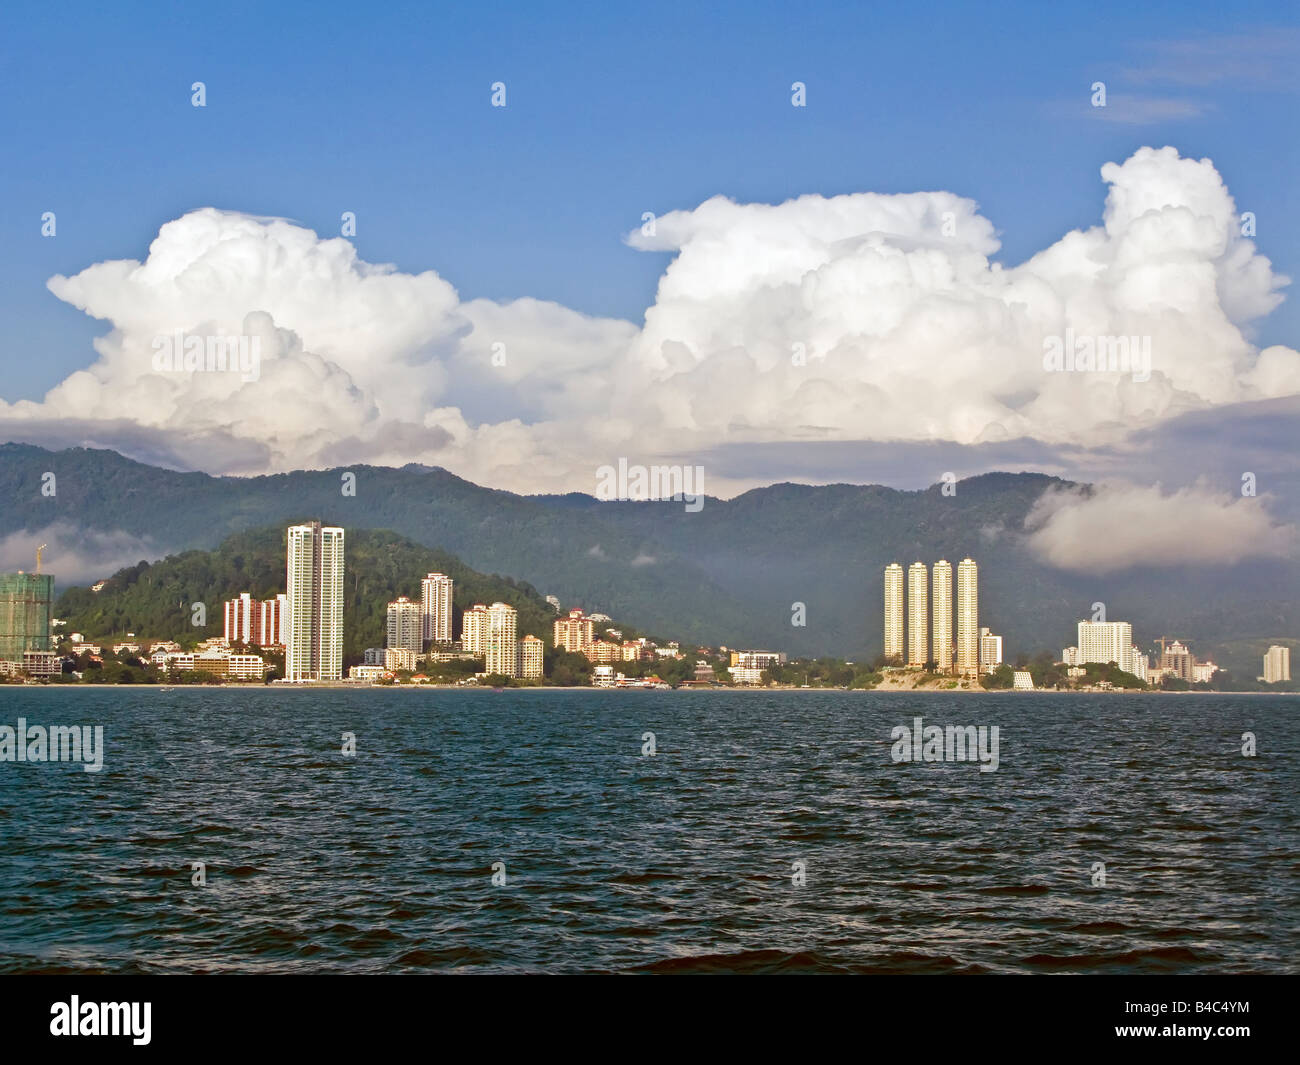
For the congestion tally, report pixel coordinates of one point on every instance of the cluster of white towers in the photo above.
(928, 635)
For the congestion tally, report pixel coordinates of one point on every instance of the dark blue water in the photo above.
(615, 861)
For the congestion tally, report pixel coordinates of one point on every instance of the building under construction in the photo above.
(26, 603)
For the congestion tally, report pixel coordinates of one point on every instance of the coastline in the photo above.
(743, 689)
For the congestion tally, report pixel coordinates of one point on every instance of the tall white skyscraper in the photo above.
(941, 613)
(894, 611)
(968, 618)
(918, 608)
(435, 607)
(501, 654)
(314, 590)
(405, 625)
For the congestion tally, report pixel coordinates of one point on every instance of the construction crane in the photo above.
(38, 557)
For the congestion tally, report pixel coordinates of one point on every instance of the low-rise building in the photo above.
(42, 663)
(218, 662)
(396, 658)
(604, 652)
(756, 659)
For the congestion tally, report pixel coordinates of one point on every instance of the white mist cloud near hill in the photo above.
(859, 317)
(77, 556)
(1118, 526)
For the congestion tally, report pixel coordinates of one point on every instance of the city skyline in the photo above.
(314, 566)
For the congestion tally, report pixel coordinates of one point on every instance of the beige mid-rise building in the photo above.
(575, 632)
(530, 658)
(501, 652)
(473, 632)
(604, 652)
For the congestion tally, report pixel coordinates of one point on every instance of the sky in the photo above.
(860, 289)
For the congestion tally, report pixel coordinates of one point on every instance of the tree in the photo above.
(1001, 677)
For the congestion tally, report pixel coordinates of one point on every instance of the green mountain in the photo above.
(156, 600)
(730, 574)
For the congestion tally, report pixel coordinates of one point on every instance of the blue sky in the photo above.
(613, 110)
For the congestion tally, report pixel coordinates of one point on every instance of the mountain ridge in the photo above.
(730, 574)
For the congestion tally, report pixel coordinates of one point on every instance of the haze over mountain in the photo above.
(731, 573)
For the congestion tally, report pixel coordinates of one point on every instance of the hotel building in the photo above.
(1277, 664)
(1103, 642)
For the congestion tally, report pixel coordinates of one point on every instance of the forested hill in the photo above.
(788, 567)
(155, 600)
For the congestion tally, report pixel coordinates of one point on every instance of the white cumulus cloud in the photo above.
(861, 317)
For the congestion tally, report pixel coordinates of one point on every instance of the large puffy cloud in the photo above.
(1117, 527)
(913, 334)
(861, 317)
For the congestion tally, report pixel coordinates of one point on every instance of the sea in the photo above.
(530, 830)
